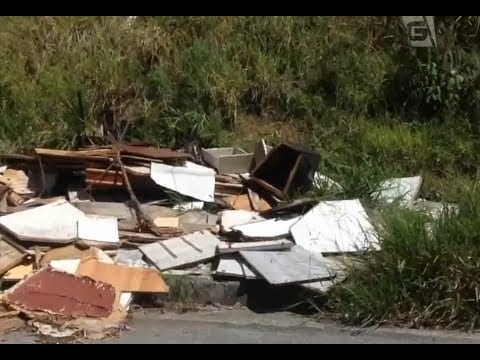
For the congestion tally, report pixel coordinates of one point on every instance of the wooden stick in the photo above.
(143, 220)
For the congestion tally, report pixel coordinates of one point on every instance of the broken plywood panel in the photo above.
(65, 294)
(267, 229)
(296, 265)
(258, 204)
(171, 222)
(123, 278)
(191, 179)
(18, 181)
(403, 189)
(335, 226)
(232, 266)
(9, 256)
(18, 273)
(181, 251)
(238, 202)
(226, 247)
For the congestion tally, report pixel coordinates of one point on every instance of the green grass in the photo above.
(350, 86)
(427, 273)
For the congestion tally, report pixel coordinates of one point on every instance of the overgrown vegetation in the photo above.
(350, 86)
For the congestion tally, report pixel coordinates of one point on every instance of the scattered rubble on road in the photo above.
(83, 231)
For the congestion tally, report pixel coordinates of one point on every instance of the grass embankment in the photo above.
(349, 86)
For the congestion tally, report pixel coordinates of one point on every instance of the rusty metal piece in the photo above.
(286, 168)
(60, 293)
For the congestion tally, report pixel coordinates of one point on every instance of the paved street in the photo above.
(243, 326)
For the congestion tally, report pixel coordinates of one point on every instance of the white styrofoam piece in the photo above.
(181, 251)
(66, 265)
(189, 206)
(99, 228)
(234, 267)
(229, 218)
(191, 179)
(285, 267)
(335, 226)
(405, 189)
(267, 229)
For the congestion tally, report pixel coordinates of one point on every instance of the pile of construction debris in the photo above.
(83, 231)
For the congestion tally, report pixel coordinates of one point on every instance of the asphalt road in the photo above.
(243, 326)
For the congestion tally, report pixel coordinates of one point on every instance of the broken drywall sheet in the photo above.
(59, 222)
(231, 247)
(232, 266)
(296, 265)
(267, 229)
(101, 229)
(324, 182)
(230, 218)
(403, 189)
(130, 257)
(433, 209)
(61, 293)
(335, 226)
(181, 251)
(55, 222)
(191, 179)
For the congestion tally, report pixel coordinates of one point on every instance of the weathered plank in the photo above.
(232, 266)
(226, 247)
(181, 251)
(291, 266)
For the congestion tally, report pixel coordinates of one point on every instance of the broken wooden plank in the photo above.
(9, 257)
(181, 251)
(258, 204)
(296, 265)
(169, 222)
(238, 202)
(167, 233)
(230, 247)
